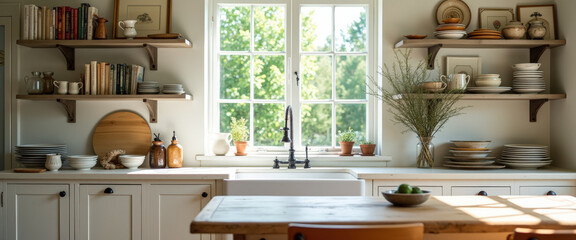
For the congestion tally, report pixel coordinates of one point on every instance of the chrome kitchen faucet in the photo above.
(291, 158)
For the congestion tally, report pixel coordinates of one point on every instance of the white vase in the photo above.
(53, 162)
(222, 144)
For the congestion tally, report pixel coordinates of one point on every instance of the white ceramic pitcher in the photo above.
(128, 27)
(457, 81)
(222, 144)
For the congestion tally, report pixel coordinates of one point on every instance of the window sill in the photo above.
(315, 161)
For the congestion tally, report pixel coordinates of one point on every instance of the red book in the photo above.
(68, 23)
(59, 23)
(74, 34)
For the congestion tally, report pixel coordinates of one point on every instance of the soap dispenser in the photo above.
(175, 154)
(157, 153)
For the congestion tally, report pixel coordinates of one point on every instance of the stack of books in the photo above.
(58, 23)
(102, 78)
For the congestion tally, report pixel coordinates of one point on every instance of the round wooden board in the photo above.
(122, 130)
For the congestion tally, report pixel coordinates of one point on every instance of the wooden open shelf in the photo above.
(67, 47)
(537, 47)
(69, 101)
(536, 100)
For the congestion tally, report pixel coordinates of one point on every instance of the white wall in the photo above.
(502, 122)
(564, 112)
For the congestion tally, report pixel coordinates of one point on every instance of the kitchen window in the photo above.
(312, 55)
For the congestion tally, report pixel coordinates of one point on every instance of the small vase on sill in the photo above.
(425, 151)
(240, 148)
(367, 149)
(346, 148)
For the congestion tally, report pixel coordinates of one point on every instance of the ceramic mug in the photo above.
(53, 162)
(62, 86)
(457, 81)
(74, 87)
(128, 28)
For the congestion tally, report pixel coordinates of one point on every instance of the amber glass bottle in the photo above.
(175, 154)
(157, 153)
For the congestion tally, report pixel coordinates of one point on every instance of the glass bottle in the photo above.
(425, 157)
(157, 153)
(34, 84)
(48, 82)
(175, 153)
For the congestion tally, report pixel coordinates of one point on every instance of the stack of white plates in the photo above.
(172, 89)
(528, 81)
(470, 158)
(34, 155)
(148, 87)
(83, 162)
(525, 156)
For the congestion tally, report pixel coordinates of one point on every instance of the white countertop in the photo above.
(216, 173)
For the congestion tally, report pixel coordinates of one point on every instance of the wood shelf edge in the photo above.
(470, 43)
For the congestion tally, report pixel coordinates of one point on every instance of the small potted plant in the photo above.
(239, 132)
(367, 147)
(347, 139)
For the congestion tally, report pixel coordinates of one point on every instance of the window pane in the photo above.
(235, 28)
(269, 78)
(229, 110)
(316, 124)
(268, 119)
(234, 77)
(351, 115)
(269, 29)
(316, 29)
(316, 77)
(350, 24)
(351, 77)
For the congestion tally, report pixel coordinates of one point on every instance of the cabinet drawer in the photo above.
(474, 190)
(435, 190)
(540, 190)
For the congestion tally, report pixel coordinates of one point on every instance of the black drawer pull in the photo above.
(552, 193)
(482, 193)
(108, 190)
(204, 194)
(62, 194)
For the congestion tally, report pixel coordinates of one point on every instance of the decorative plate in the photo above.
(453, 9)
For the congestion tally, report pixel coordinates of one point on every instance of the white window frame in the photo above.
(292, 58)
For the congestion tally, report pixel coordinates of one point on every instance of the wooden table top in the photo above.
(440, 214)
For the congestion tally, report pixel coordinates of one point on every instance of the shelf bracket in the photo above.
(536, 53)
(70, 107)
(152, 106)
(432, 52)
(152, 55)
(535, 105)
(68, 53)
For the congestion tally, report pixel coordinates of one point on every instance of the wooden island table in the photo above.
(245, 215)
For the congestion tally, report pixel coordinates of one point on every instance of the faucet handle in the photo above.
(276, 163)
(306, 163)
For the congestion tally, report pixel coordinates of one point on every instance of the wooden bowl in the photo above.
(451, 20)
(415, 36)
(406, 199)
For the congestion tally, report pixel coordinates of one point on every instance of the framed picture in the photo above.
(494, 18)
(153, 16)
(548, 13)
(468, 65)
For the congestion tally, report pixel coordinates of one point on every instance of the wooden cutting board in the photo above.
(122, 130)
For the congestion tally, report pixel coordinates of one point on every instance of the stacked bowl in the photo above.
(470, 155)
(131, 161)
(527, 78)
(525, 156)
(82, 162)
(172, 89)
(34, 155)
(148, 87)
(450, 29)
(488, 83)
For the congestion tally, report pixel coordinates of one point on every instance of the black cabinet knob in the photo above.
(108, 190)
(482, 193)
(551, 193)
(62, 194)
(204, 194)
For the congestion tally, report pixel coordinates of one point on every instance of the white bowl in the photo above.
(489, 75)
(132, 161)
(82, 165)
(80, 158)
(526, 66)
(470, 144)
(470, 154)
(488, 83)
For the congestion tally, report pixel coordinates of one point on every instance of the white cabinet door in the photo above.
(110, 212)
(172, 209)
(550, 190)
(36, 211)
(477, 190)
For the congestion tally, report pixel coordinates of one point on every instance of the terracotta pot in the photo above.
(367, 149)
(240, 148)
(346, 148)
